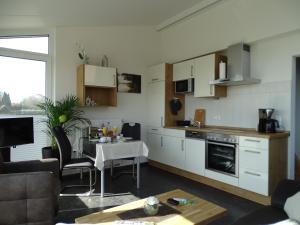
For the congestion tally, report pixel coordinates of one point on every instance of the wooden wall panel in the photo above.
(170, 119)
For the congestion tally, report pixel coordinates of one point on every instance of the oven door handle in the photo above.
(221, 144)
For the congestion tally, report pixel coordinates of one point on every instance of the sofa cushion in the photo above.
(264, 215)
(292, 207)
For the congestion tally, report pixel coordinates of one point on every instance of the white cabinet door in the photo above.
(156, 104)
(183, 70)
(195, 156)
(99, 76)
(154, 145)
(156, 73)
(174, 151)
(254, 181)
(204, 73)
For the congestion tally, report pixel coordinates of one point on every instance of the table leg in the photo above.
(138, 172)
(102, 183)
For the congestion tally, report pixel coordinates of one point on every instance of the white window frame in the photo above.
(47, 58)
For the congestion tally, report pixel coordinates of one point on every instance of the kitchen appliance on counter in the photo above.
(184, 86)
(266, 124)
(199, 118)
(221, 154)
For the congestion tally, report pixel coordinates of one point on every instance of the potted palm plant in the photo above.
(65, 113)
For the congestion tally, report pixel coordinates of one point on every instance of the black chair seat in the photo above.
(80, 163)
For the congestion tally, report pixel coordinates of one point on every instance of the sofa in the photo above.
(274, 213)
(29, 192)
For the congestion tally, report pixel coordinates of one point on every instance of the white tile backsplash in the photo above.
(240, 107)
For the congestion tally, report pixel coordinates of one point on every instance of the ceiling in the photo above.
(56, 13)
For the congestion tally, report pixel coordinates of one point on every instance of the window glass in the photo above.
(22, 85)
(30, 43)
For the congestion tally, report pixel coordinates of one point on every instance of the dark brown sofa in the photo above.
(275, 212)
(29, 192)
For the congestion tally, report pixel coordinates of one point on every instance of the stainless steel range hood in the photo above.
(238, 67)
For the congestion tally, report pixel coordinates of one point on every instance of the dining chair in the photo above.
(132, 130)
(69, 163)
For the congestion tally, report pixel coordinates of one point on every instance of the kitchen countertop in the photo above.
(234, 131)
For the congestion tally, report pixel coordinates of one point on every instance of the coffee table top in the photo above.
(201, 212)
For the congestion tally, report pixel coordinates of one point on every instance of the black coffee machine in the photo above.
(266, 123)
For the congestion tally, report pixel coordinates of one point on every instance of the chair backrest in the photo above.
(132, 130)
(64, 145)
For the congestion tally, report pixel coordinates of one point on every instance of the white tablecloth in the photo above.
(119, 150)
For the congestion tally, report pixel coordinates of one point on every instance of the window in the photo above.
(24, 81)
(23, 74)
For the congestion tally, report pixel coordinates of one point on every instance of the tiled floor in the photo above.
(154, 181)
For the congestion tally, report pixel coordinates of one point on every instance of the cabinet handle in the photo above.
(114, 80)
(182, 145)
(253, 174)
(162, 121)
(251, 140)
(155, 129)
(192, 70)
(154, 79)
(210, 89)
(251, 151)
(161, 141)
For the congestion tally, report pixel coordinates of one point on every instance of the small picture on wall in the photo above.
(129, 83)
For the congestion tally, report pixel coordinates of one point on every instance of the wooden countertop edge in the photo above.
(239, 131)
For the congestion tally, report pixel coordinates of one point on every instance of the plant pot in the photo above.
(49, 152)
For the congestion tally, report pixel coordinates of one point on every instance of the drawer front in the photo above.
(254, 181)
(154, 130)
(255, 159)
(174, 133)
(253, 142)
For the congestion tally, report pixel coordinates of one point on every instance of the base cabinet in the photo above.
(195, 156)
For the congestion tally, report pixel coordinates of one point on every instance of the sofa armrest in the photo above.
(28, 198)
(49, 165)
(284, 190)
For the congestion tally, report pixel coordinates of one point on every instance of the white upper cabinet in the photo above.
(156, 73)
(99, 76)
(206, 70)
(183, 70)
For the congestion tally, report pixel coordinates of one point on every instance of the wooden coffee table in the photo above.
(200, 212)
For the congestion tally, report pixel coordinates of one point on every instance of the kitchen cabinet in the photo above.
(156, 73)
(160, 91)
(206, 69)
(99, 76)
(156, 103)
(98, 84)
(183, 70)
(173, 151)
(195, 156)
(155, 145)
(254, 165)
(167, 146)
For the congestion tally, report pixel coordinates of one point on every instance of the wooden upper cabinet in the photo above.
(206, 69)
(183, 70)
(97, 84)
(99, 76)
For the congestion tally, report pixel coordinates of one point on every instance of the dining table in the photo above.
(102, 152)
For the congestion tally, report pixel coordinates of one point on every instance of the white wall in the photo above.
(229, 22)
(129, 49)
(272, 29)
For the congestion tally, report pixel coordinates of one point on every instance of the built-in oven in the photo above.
(222, 154)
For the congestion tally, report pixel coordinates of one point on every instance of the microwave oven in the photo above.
(184, 86)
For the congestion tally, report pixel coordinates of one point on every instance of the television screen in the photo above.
(16, 131)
